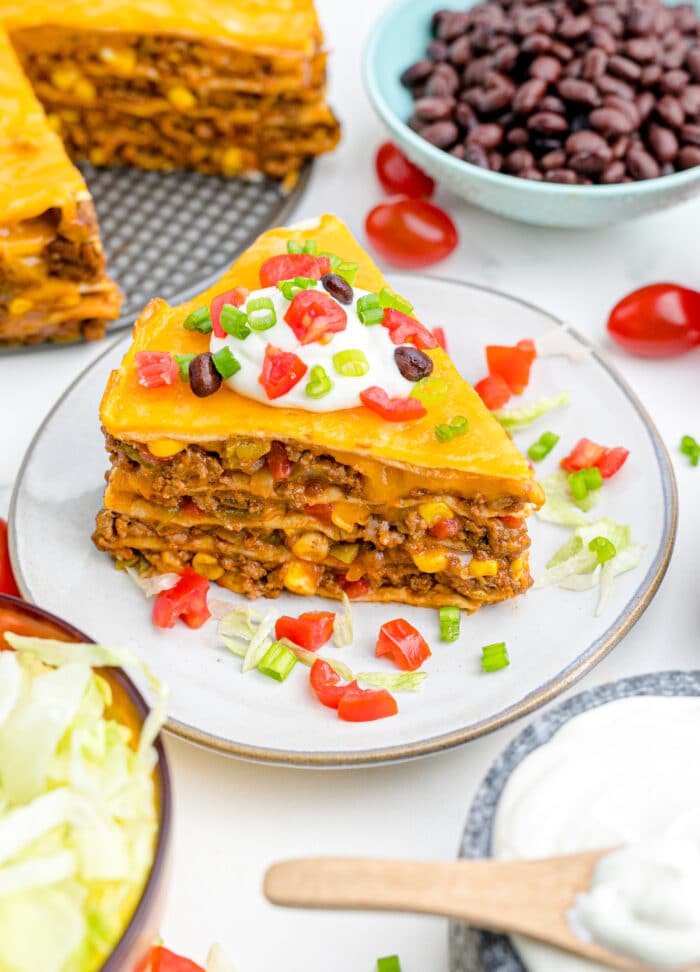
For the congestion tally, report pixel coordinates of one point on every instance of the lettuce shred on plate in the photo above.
(560, 506)
(576, 567)
(78, 813)
(514, 419)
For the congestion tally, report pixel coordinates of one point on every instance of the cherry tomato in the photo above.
(398, 175)
(657, 321)
(411, 232)
(7, 580)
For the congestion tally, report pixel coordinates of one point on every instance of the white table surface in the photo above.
(233, 818)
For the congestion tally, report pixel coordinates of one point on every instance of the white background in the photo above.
(233, 819)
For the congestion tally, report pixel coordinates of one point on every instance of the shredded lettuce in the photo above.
(394, 681)
(513, 419)
(259, 643)
(560, 507)
(218, 961)
(343, 634)
(152, 585)
(307, 658)
(575, 568)
(237, 628)
(78, 811)
(560, 343)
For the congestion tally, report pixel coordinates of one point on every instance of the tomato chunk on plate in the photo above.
(310, 630)
(281, 371)
(326, 684)
(312, 315)
(186, 600)
(286, 266)
(512, 364)
(587, 454)
(493, 391)
(404, 643)
(163, 960)
(8, 585)
(366, 705)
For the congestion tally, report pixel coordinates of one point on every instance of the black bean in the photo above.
(528, 94)
(459, 51)
(669, 109)
(552, 103)
(505, 57)
(495, 161)
(594, 64)
(641, 164)
(692, 61)
(613, 173)
(434, 109)
(586, 142)
(574, 27)
(518, 137)
(623, 67)
(476, 155)
(536, 44)
(438, 50)
(674, 82)
(691, 134)
(582, 92)
(603, 39)
(533, 174)
(204, 378)
(519, 159)
(546, 68)
(610, 122)
(643, 49)
(485, 136)
(442, 134)
(651, 73)
(417, 72)
(616, 86)
(663, 143)
(561, 175)
(547, 123)
(465, 116)
(690, 100)
(688, 157)
(554, 160)
(412, 363)
(338, 287)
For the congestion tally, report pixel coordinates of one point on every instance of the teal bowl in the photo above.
(399, 38)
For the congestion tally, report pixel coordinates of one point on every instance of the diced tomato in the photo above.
(322, 511)
(404, 643)
(528, 345)
(512, 522)
(281, 371)
(404, 329)
(326, 683)
(612, 461)
(235, 297)
(279, 463)
(355, 589)
(440, 337)
(186, 600)
(511, 364)
(493, 391)
(162, 960)
(155, 369)
(189, 508)
(289, 265)
(366, 705)
(445, 528)
(312, 315)
(392, 409)
(310, 630)
(587, 454)
(8, 585)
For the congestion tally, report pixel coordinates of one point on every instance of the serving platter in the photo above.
(553, 636)
(171, 234)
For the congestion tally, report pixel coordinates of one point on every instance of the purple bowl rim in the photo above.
(114, 962)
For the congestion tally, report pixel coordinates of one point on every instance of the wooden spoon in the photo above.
(529, 898)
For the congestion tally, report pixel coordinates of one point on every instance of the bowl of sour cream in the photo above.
(613, 767)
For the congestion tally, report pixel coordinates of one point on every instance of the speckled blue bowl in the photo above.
(477, 951)
(398, 39)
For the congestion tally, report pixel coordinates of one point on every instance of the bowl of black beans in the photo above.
(570, 113)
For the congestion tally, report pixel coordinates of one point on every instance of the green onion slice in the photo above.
(450, 618)
(198, 320)
(261, 313)
(430, 390)
(458, 426)
(351, 364)
(183, 363)
(348, 271)
(292, 287)
(578, 485)
(319, 383)
(494, 657)
(592, 477)
(225, 362)
(540, 450)
(603, 548)
(277, 662)
(387, 298)
(691, 449)
(390, 963)
(333, 259)
(234, 321)
(369, 309)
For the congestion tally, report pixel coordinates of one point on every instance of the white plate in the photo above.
(553, 635)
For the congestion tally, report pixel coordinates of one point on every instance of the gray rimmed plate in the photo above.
(472, 950)
(58, 493)
(171, 234)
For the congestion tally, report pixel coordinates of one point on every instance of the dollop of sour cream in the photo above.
(624, 775)
(373, 341)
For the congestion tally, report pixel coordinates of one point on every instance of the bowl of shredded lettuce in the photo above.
(85, 801)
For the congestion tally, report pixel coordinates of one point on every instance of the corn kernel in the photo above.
(250, 450)
(85, 90)
(181, 98)
(311, 546)
(65, 78)
(432, 512)
(19, 306)
(231, 161)
(54, 122)
(301, 577)
(346, 552)
(430, 561)
(347, 515)
(98, 156)
(70, 116)
(517, 568)
(483, 568)
(207, 566)
(163, 448)
(123, 61)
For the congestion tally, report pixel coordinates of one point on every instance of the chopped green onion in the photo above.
(198, 320)
(578, 485)
(603, 548)
(450, 618)
(234, 321)
(291, 287)
(494, 657)
(261, 313)
(351, 364)
(390, 963)
(691, 449)
(348, 271)
(293, 247)
(183, 363)
(309, 247)
(369, 310)
(540, 450)
(430, 390)
(334, 260)
(458, 426)
(225, 363)
(387, 298)
(277, 662)
(319, 383)
(592, 477)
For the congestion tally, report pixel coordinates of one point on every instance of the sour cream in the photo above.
(373, 341)
(624, 775)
